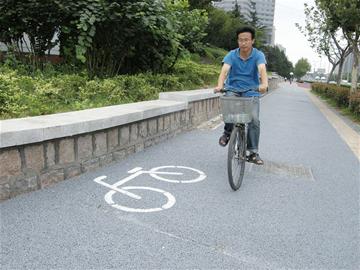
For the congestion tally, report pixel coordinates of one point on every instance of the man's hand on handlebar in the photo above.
(217, 89)
(262, 88)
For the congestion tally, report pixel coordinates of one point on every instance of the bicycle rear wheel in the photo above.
(237, 156)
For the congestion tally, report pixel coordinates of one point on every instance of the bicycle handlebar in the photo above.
(236, 92)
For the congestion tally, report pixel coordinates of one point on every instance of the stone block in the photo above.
(22, 184)
(150, 142)
(160, 123)
(139, 147)
(66, 151)
(183, 117)
(152, 126)
(34, 157)
(124, 135)
(49, 154)
(106, 159)
(51, 177)
(4, 191)
(133, 132)
(143, 129)
(119, 155)
(167, 122)
(113, 139)
(10, 163)
(100, 144)
(72, 171)
(90, 165)
(130, 150)
(84, 147)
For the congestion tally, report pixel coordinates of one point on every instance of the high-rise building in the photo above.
(264, 9)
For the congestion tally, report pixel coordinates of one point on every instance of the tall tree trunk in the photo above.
(354, 73)
(331, 72)
(341, 63)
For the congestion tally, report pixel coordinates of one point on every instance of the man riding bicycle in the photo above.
(240, 73)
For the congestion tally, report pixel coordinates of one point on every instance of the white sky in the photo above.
(287, 13)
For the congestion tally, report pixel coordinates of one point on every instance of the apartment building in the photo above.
(265, 10)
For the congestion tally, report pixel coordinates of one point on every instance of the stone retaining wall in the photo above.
(33, 166)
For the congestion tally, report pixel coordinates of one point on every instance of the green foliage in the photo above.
(340, 95)
(222, 29)
(345, 15)
(355, 103)
(214, 55)
(190, 25)
(109, 37)
(200, 4)
(277, 61)
(52, 91)
(301, 67)
(342, 13)
(38, 19)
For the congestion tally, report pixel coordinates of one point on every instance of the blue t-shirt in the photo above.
(244, 74)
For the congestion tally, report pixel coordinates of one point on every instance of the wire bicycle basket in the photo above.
(236, 109)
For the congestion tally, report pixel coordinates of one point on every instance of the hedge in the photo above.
(340, 94)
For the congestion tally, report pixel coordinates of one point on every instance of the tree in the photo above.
(108, 37)
(255, 22)
(325, 40)
(345, 14)
(29, 27)
(277, 61)
(200, 4)
(236, 12)
(301, 68)
(221, 31)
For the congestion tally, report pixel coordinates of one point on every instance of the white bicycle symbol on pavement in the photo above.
(155, 173)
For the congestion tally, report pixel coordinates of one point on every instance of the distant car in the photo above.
(332, 82)
(323, 78)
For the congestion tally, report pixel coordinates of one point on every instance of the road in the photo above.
(299, 211)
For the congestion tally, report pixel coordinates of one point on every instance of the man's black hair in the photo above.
(246, 29)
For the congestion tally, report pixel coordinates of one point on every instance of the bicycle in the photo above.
(155, 173)
(237, 110)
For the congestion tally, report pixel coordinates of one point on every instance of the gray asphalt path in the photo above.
(299, 211)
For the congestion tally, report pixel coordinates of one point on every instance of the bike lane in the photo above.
(298, 211)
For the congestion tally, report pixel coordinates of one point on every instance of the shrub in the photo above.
(51, 92)
(339, 94)
(355, 103)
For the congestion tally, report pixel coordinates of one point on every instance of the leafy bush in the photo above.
(50, 92)
(340, 94)
(355, 103)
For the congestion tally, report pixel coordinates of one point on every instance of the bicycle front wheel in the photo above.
(237, 156)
